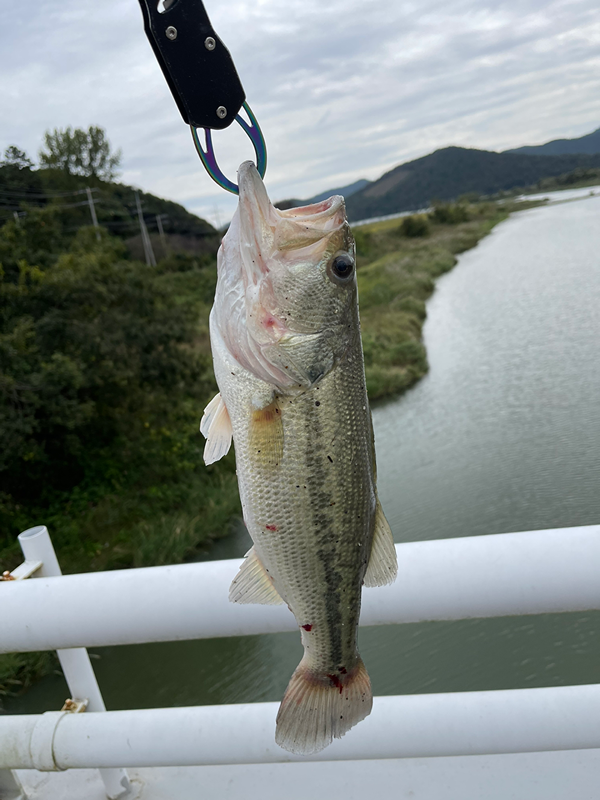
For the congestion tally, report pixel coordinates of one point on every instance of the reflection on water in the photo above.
(502, 435)
(504, 432)
(477, 655)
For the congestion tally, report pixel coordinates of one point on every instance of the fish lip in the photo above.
(315, 210)
(253, 198)
(257, 220)
(254, 202)
(261, 245)
(252, 190)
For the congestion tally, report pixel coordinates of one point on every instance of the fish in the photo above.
(287, 355)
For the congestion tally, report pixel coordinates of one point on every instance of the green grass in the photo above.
(18, 671)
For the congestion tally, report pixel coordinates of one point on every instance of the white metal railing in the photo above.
(507, 574)
(41, 563)
(480, 576)
(412, 726)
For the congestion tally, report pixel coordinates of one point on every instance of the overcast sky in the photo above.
(342, 90)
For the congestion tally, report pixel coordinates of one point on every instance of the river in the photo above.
(502, 435)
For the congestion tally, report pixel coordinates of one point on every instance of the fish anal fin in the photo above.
(266, 436)
(319, 706)
(383, 564)
(253, 583)
(215, 425)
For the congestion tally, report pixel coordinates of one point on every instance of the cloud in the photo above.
(342, 90)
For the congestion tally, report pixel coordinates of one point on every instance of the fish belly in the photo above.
(305, 473)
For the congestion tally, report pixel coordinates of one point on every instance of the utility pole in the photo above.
(159, 219)
(93, 211)
(148, 251)
(217, 216)
(16, 216)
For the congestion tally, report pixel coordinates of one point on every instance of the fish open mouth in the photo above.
(292, 229)
(263, 250)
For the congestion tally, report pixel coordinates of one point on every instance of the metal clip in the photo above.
(202, 77)
(75, 706)
(195, 62)
(24, 570)
(208, 157)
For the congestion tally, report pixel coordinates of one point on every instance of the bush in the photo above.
(94, 354)
(469, 197)
(37, 239)
(449, 213)
(415, 225)
(363, 240)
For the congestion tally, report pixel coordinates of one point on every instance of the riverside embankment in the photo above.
(399, 261)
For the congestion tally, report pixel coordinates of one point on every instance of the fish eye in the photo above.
(341, 268)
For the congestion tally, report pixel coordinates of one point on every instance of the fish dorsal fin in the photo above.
(215, 426)
(383, 564)
(266, 436)
(253, 583)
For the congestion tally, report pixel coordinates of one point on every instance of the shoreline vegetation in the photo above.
(166, 506)
(399, 261)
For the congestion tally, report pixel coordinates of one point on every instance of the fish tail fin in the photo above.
(320, 706)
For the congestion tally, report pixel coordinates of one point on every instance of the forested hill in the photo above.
(23, 188)
(105, 364)
(590, 143)
(454, 171)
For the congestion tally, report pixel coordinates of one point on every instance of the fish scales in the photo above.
(311, 516)
(288, 360)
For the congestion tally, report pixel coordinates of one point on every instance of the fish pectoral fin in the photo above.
(253, 583)
(383, 564)
(215, 426)
(266, 436)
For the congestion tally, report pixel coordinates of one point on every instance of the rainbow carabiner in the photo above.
(207, 153)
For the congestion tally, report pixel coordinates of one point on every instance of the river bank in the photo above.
(172, 519)
(396, 277)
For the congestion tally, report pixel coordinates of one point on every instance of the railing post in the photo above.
(76, 665)
(10, 786)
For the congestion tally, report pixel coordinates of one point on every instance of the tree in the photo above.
(90, 349)
(18, 182)
(80, 152)
(13, 157)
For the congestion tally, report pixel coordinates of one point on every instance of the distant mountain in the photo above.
(584, 144)
(453, 171)
(345, 191)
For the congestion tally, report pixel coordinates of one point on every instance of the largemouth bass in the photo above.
(288, 360)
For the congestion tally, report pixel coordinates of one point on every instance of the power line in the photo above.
(57, 206)
(25, 195)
